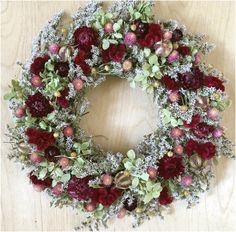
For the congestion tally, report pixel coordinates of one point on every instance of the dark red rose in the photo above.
(191, 80)
(79, 189)
(85, 37)
(170, 167)
(42, 139)
(85, 68)
(184, 50)
(165, 198)
(46, 183)
(107, 196)
(169, 83)
(190, 147)
(114, 53)
(38, 105)
(130, 203)
(38, 65)
(206, 150)
(154, 35)
(202, 130)
(177, 35)
(141, 29)
(80, 58)
(210, 81)
(195, 121)
(62, 68)
(62, 101)
(51, 154)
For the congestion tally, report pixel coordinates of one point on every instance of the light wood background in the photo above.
(131, 115)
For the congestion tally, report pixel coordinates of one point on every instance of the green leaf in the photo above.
(152, 59)
(118, 35)
(43, 164)
(80, 161)
(144, 176)
(148, 197)
(51, 166)
(147, 52)
(137, 15)
(58, 172)
(131, 154)
(9, 96)
(54, 183)
(51, 116)
(105, 44)
(43, 173)
(43, 125)
(128, 165)
(155, 68)
(116, 26)
(85, 145)
(65, 178)
(135, 182)
(86, 152)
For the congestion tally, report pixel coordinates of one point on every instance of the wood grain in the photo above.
(133, 115)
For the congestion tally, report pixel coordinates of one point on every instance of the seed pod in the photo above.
(65, 52)
(23, 148)
(122, 181)
(196, 161)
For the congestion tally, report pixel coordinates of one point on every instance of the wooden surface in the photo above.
(132, 116)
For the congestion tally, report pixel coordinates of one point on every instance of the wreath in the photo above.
(49, 100)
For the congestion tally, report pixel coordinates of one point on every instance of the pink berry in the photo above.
(217, 133)
(176, 133)
(36, 81)
(121, 213)
(174, 96)
(68, 131)
(20, 112)
(130, 38)
(106, 179)
(152, 172)
(167, 35)
(57, 189)
(174, 56)
(186, 181)
(108, 28)
(197, 58)
(54, 48)
(38, 187)
(213, 113)
(35, 158)
(63, 162)
(90, 207)
(78, 84)
(178, 149)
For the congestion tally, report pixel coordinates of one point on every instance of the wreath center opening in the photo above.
(119, 116)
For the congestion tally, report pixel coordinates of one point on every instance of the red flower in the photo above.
(203, 130)
(38, 65)
(195, 121)
(154, 35)
(80, 190)
(114, 53)
(80, 58)
(42, 139)
(85, 37)
(107, 196)
(165, 198)
(141, 29)
(170, 167)
(46, 183)
(62, 68)
(169, 83)
(184, 50)
(210, 81)
(191, 80)
(38, 105)
(51, 154)
(62, 101)
(190, 147)
(206, 150)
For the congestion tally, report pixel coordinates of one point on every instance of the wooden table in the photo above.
(24, 209)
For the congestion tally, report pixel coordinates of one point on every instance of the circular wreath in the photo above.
(174, 162)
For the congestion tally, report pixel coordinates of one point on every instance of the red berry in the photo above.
(121, 213)
(176, 133)
(36, 81)
(90, 207)
(178, 149)
(106, 179)
(57, 189)
(63, 162)
(35, 158)
(20, 112)
(78, 84)
(108, 28)
(152, 172)
(68, 131)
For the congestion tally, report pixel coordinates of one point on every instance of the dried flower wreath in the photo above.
(48, 101)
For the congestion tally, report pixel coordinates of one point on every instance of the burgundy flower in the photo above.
(62, 101)
(114, 53)
(79, 189)
(38, 65)
(85, 37)
(46, 183)
(177, 35)
(206, 150)
(195, 121)
(51, 154)
(38, 105)
(165, 198)
(154, 35)
(210, 81)
(191, 80)
(184, 50)
(107, 196)
(42, 139)
(80, 58)
(141, 29)
(169, 83)
(170, 167)
(190, 147)
(202, 130)
(130, 203)
(62, 68)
